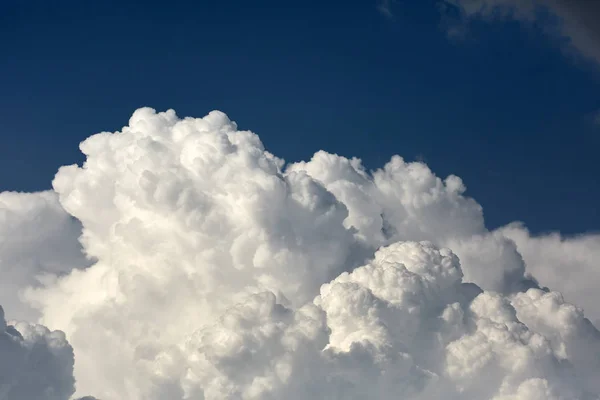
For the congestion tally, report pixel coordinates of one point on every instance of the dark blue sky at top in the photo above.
(503, 108)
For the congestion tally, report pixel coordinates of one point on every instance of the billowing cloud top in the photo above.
(184, 261)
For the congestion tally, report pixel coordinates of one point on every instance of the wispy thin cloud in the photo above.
(596, 118)
(575, 22)
(385, 8)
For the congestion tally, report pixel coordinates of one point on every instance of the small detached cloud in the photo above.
(596, 118)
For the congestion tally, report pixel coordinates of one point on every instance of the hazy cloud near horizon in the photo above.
(185, 261)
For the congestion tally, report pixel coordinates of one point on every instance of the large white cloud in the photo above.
(221, 273)
(406, 201)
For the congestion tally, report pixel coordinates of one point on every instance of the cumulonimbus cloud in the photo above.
(219, 272)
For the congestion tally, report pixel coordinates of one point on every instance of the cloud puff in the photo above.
(570, 265)
(35, 363)
(576, 19)
(219, 272)
(406, 201)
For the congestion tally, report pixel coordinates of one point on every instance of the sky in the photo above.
(258, 201)
(498, 102)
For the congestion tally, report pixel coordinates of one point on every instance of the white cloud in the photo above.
(35, 363)
(220, 274)
(570, 265)
(406, 201)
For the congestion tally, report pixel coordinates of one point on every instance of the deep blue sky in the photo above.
(503, 108)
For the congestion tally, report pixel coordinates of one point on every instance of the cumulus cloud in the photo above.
(406, 201)
(220, 272)
(576, 20)
(35, 363)
(570, 265)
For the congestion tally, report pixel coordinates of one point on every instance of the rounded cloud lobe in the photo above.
(570, 264)
(35, 363)
(218, 272)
